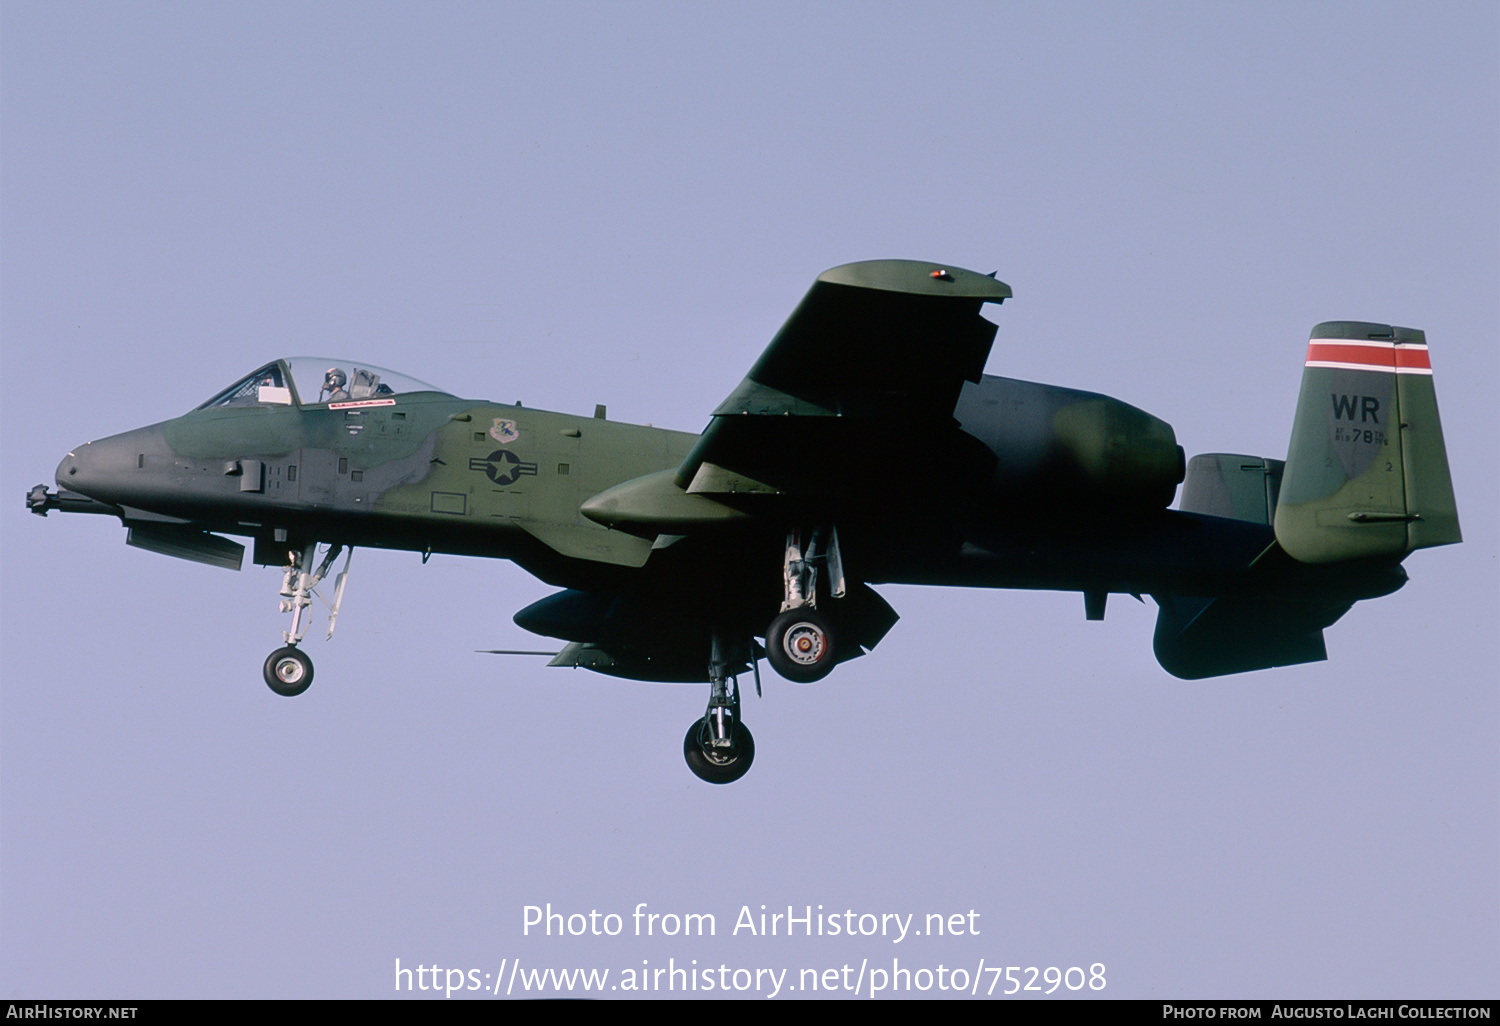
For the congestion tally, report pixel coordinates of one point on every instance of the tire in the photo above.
(801, 645)
(718, 769)
(288, 672)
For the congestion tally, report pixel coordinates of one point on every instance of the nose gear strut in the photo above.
(288, 670)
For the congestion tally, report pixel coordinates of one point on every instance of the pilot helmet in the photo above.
(334, 380)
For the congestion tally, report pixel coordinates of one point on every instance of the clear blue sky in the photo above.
(615, 203)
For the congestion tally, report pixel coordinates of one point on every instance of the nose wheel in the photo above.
(289, 671)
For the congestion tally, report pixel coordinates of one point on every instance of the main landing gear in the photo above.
(289, 671)
(800, 643)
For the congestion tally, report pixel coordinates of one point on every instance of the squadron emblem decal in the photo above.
(503, 467)
(504, 431)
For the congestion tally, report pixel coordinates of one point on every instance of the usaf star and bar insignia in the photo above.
(503, 467)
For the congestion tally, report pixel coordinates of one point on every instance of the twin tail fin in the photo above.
(1364, 484)
(1367, 471)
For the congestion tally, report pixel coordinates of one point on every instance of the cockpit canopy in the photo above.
(310, 380)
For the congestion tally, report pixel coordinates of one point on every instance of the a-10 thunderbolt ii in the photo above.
(864, 447)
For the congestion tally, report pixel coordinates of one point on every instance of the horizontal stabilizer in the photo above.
(1198, 638)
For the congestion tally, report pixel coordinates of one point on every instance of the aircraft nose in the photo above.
(105, 469)
(67, 470)
(79, 470)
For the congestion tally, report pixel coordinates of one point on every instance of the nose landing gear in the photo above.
(289, 671)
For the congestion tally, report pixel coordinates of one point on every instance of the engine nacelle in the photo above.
(1057, 445)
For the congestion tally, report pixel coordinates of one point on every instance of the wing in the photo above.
(875, 351)
(866, 371)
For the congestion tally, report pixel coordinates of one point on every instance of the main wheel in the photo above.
(716, 765)
(800, 644)
(288, 671)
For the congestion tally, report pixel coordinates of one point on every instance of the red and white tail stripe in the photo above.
(1363, 354)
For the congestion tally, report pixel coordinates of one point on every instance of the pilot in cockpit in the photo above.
(333, 386)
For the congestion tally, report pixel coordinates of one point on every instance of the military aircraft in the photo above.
(686, 558)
